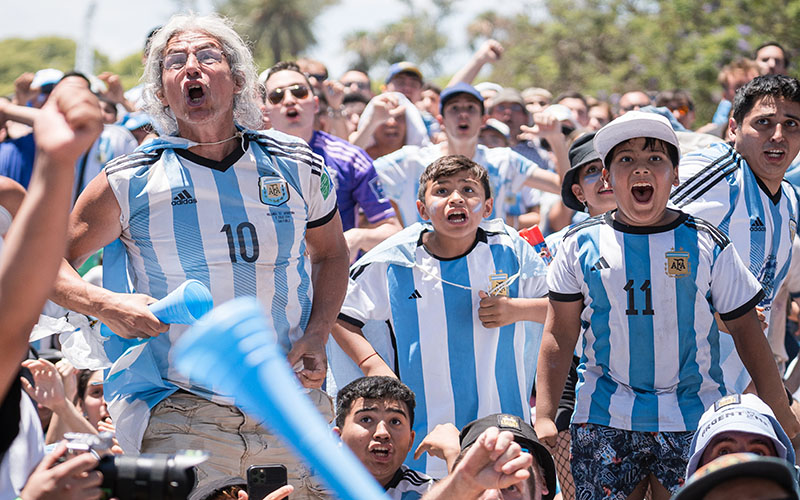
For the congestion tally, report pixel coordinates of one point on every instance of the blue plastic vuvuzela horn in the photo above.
(247, 364)
(184, 305)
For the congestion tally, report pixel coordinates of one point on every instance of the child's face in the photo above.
(455, 205)
(379, 433)
(593, 190)
(641, 179)
(462, 117)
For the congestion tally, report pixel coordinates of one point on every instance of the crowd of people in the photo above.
(487, 292)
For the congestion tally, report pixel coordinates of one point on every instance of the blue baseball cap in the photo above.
(458, 88)
(403, 67)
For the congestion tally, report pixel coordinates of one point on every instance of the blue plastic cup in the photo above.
(247, 363)
(184, 305)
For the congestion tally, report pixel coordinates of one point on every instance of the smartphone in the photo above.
(264, 479)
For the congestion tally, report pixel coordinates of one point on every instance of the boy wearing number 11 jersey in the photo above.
(642, 283)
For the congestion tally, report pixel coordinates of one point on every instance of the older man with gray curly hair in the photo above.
(244, 212)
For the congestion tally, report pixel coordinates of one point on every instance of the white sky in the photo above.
(120, 26)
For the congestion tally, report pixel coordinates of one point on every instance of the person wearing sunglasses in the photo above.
(291, 108)
(357, 82)
(245, 212)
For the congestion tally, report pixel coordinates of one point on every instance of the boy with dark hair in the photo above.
(374, 417)
(457, 293)
(641, 285)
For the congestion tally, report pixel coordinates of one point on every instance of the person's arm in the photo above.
(499, 310)
(352, 341)
(114, 91)
(543, 180)
(494, 461)
(49, 392)
(69, 122)
(558, 343)
(17, 113)
(337, 119)
(365, 238)
(11, 195)
(489, 52)
(753, 349)
(94, 223)
(329, 267)
(384, 106)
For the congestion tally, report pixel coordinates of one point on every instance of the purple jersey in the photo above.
(354, 177)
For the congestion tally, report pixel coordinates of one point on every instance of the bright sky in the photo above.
(120, 26)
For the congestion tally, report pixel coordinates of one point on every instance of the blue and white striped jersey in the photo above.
(408, 484)
(650, 344)
(458, 369)
(719, 186)
(400, 171)
(237, 225)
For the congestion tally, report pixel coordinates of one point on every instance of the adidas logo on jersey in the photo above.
(183, 198)
(415, 295)
(600, 264)
(757, 225)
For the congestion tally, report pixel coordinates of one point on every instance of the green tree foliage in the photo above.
(277, 29)
(30, 55)
(415, 37)
(602, 47)
(21, 56)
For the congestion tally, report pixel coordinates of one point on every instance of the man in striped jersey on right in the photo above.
(739, 188)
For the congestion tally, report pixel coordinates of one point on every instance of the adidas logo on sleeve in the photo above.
(183, 198)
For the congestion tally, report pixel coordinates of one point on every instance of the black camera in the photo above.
(142, 477)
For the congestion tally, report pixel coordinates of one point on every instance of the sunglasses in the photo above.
(318, 76)
(206, 57)
(297, 90)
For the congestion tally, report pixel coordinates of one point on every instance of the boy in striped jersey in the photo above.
(641, 285)
(739, 188)
(458, 294)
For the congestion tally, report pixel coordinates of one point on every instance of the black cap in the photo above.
(737, 466)
(524, 435)
(580, 153)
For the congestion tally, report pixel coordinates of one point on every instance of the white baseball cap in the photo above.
(631, 125)
(735, 413)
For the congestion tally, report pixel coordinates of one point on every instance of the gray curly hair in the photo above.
(246, 111)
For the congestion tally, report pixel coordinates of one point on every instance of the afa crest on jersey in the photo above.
(678, 264)
(274, 191)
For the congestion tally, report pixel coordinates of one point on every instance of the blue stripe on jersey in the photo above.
(600, 321)
(185, 223)
(691, 406)
(410, 495)
(140, 232)
(284, 233)
(505, 366)
(752, 198)
(234, 215)
(406, 320)
(641, 371)
(461, 350)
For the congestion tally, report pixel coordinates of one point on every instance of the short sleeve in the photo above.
(562, 281)
(368, 191)
(734, 290)
(367, 295)
(319, 194)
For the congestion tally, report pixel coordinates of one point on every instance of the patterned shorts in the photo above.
(608, 463)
